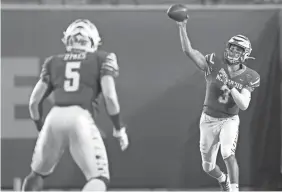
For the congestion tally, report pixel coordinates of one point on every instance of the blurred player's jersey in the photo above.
(218, 101)
(74, 77)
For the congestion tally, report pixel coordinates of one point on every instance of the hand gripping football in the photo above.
(178, 12)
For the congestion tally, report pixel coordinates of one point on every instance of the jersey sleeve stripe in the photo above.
(256, 83)
(110, 68)
(210, 58)
(258, 80)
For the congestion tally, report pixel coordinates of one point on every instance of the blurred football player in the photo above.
(229, 84)
(75, 79)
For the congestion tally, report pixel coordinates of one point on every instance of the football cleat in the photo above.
(225, 185)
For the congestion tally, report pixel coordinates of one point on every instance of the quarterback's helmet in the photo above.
(242, 42)
(83, 35)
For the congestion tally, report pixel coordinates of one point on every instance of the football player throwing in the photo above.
(229, 84)
(75, 79)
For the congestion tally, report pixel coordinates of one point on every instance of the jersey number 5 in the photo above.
(224, 98)
(72, 76)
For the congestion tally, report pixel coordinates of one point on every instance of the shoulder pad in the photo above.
(111, 61)
(109, 65)
(107, 57)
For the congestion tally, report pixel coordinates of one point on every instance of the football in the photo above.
(178, 12)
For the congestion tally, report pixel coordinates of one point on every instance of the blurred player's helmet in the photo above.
(82, 35)
(234, 57)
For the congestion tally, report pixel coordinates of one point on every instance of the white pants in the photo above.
(74, 128)
(215, 132)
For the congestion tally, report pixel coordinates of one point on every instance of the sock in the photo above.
(234, 187)
(222, 178)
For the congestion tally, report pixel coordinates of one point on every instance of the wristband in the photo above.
(230, 85)
(116, 121)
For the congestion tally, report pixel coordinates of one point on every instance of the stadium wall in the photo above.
(160, 90)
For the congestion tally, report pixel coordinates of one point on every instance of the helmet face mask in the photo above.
(234, 54)
(237, 50)
(82, 35)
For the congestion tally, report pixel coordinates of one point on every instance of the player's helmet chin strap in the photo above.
(236, 58)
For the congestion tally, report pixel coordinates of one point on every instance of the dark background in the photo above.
(160, 90)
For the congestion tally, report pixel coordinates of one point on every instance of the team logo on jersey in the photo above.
(221, 75)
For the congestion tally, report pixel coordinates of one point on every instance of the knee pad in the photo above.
(207, 166)
(226, 152)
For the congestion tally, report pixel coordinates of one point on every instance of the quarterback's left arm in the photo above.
(243, 98)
